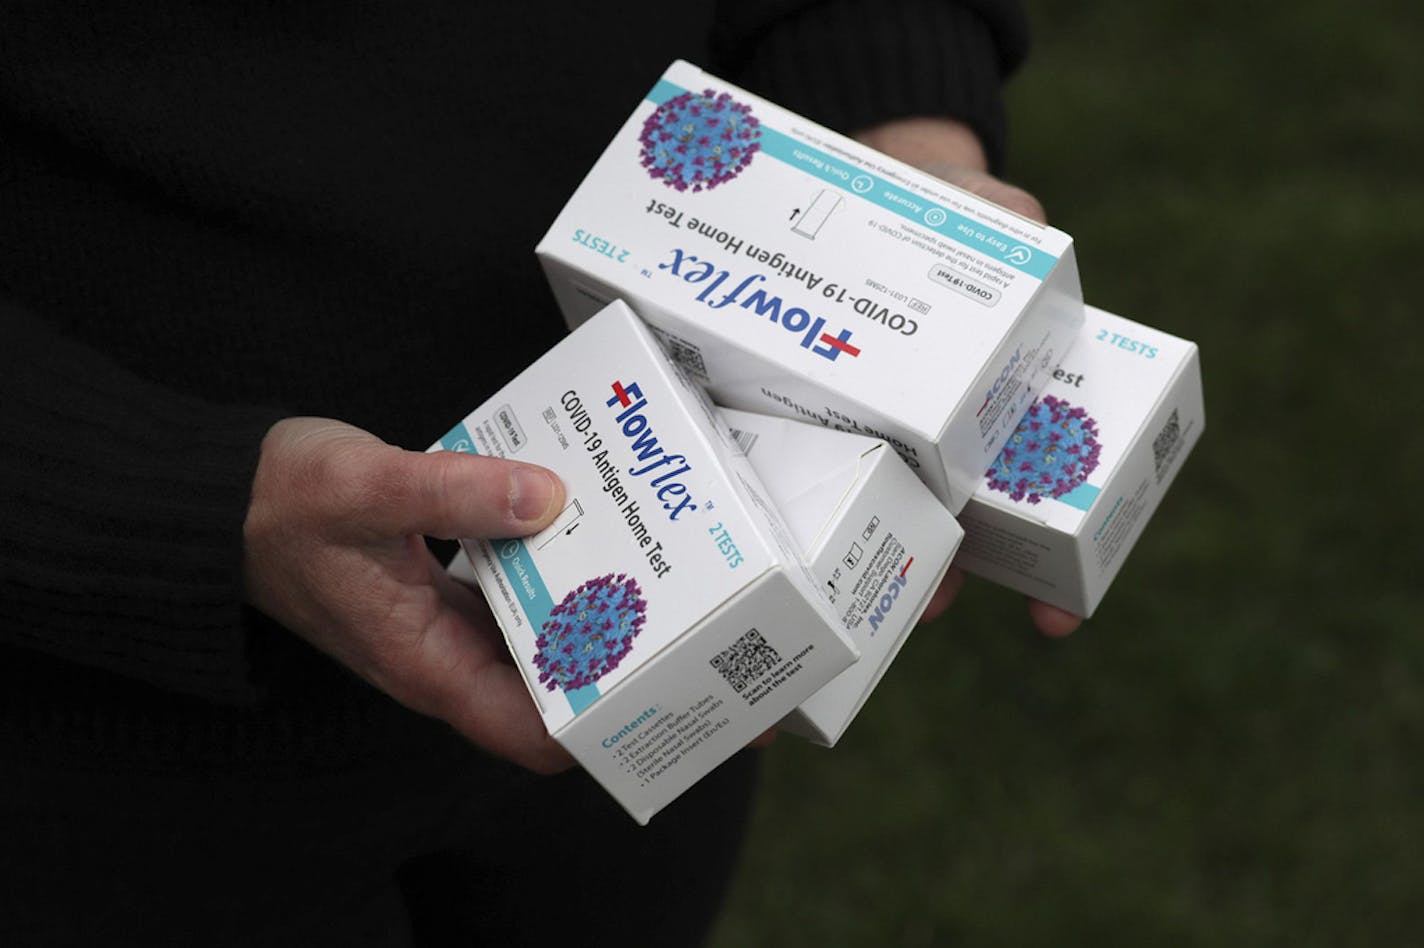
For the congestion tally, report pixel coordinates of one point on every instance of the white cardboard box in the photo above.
(1061, 507)
(873, 534)
(798, 273)
(664, 620)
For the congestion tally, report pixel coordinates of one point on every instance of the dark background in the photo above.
(1230, 752)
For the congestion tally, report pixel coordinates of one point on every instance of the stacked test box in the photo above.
(888, 353)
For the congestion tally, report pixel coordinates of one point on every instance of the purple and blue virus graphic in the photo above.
(590, 632)
(699, 140)
(1053, 450)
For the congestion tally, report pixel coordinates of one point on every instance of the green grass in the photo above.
(1229, 753)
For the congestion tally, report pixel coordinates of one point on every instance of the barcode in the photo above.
(746, 660)
(685, 354)
(745, 439)
(1164, 445)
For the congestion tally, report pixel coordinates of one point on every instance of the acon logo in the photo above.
(999, 382)
(890, 596)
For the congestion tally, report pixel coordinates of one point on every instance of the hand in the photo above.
(951, 151)
(1050, 620)
(333, 550)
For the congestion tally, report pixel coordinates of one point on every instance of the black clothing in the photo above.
(215, 215)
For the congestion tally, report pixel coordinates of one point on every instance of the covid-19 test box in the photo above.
(1058, 511)
(796, 272)
(664, 620)
(874, 536)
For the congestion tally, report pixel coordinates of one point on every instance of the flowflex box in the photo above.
(874, 536)
(664, 620)
(796, 272)
(1059, 510)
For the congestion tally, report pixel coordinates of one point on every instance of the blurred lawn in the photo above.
(1230, 753)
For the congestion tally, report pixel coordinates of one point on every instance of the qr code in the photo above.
(746, 660)
(1165, 444)
(684, 354)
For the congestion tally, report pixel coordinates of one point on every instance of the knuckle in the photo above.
(442, 487)
(329, 478)
(374, 481)
(448, 478)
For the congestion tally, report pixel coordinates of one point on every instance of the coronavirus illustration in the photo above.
(589, 632)
(698, 140)
(1053, 450)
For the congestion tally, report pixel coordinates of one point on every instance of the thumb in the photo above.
(454, 496)
(990, 188)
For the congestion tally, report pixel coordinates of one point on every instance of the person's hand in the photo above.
(1050, 620)
(333, 550)
(951, 151)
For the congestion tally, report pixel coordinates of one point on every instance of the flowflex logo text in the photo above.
(809, 331)
(633, 423)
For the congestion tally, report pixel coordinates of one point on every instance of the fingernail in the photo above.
(531, 491)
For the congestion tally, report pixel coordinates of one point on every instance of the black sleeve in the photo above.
(849, 65)
(122, 506)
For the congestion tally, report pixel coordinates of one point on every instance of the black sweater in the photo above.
(216, 215)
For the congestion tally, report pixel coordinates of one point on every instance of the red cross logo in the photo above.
(841, 344)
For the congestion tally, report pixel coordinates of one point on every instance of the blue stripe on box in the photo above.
(891, 197)
(1081, 497)
(524, 579)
